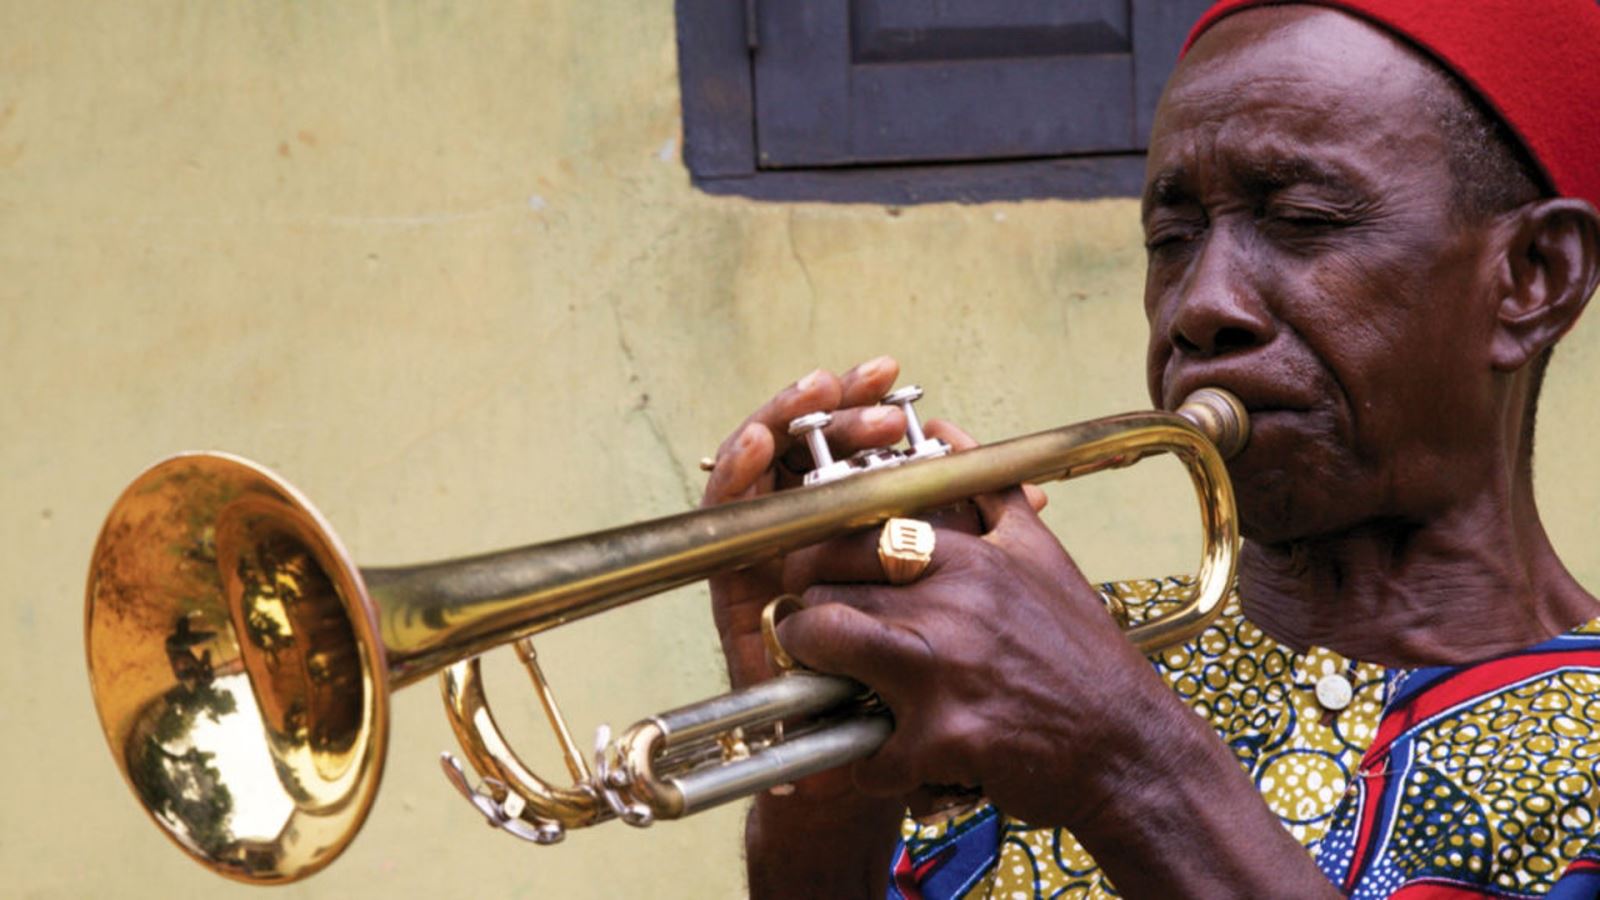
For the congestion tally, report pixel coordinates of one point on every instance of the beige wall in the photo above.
(440, 265)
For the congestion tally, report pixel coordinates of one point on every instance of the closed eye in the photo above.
(1305, 214)
(1172, 232)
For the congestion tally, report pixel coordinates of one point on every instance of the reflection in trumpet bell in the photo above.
(232, 659)
(298, 648)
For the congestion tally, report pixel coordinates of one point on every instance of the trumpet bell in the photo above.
(237, 667)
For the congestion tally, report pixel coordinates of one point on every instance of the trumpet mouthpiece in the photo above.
(1220, 417)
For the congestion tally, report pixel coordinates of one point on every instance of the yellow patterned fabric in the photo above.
(1468, 781)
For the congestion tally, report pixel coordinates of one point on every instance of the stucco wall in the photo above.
(441, 266)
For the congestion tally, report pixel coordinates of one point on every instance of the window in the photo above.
(904, 101)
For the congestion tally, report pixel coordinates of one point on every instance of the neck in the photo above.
(1477, 581)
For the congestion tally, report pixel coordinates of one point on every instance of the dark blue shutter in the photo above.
(852, 82)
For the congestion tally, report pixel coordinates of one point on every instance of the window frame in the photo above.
(716, 76)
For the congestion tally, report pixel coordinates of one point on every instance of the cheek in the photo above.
(1400, 355)
(1361, 312)
(1158, 351)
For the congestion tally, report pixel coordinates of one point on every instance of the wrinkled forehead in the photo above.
(1284, 50)
(1298, 84)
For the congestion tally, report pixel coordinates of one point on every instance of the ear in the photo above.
(1551, 268)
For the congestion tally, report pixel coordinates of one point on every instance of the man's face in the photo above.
(1304, 253)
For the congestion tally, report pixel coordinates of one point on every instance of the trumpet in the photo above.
(242, 664)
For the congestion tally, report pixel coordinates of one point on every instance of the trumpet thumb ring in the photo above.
(771, 615)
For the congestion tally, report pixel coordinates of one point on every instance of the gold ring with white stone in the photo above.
(905, 547)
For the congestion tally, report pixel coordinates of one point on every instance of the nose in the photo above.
(1219, 308)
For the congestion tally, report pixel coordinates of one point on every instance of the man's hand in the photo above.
(760, 457)
(1005, 672)
(1001, 665)
(825, 839)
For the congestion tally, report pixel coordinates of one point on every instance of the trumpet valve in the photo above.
(922, 446)
(810, 427)
(732, 745)
(825, 469)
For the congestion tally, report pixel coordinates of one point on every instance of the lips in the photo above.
(1261, 387)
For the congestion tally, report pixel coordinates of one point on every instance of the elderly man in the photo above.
(1359, 223)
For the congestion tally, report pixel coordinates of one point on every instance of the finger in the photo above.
(850, 559)
(860, 421)
(730, 479)
(950, 433)
(818, 390)
(1007, 513)
(747, 659)
(867, 383)
(741, 466)
(854, 559)
(876, 600)
(864, 427)
(959, 439)
(1036, 497)
(860, 390)
(1015, 528)
(852, 429)
(831, 637)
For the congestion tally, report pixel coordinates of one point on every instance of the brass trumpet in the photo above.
(242, 664)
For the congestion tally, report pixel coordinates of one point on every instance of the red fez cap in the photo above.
(1536, 63)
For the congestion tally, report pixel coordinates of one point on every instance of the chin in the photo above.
(1268, 530)
(1290, 488)
(1274, 508)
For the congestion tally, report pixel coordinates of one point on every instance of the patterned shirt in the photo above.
(1481, 780)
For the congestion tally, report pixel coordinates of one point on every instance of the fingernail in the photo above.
(876, 415)
(747, 436)
(810, 381)
(874, 366)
